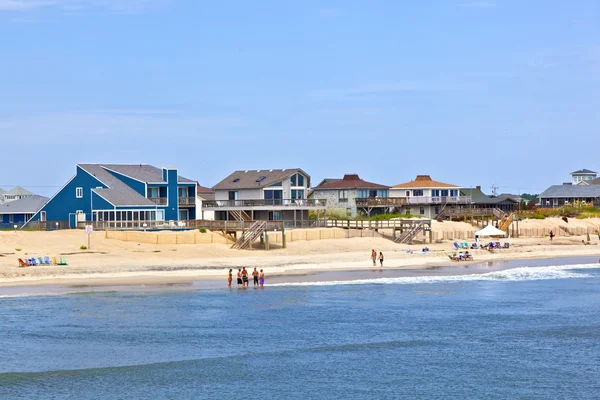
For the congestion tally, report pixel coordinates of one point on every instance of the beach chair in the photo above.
(40, 261)
(23, 263)
(63, 261)
(32, 261)
(54, 261)
(47, 260)
(465, 245)
(456, 245)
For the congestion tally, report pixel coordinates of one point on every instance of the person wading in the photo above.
(374, 257)
(255, 275)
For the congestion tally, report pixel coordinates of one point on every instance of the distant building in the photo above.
(350, 194)
(121, 195)
(582, 176)
(16, 193)
(204, 194)
(20, 211)
(267, 195)
(566, 195)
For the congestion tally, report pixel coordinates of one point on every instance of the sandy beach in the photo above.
(115, 262)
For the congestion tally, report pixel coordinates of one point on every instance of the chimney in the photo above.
(478, 188)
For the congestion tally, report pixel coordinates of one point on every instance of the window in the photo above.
(262, 178)
(183, 192)
(10, 219)
(42, 216)
(276, 184)
(300, 180)
(418, 192)
(454, 193)
(362, 194)
(297, 180)
(382, 193)
(153, 192)
(274, 216)
(233, 195)
(79, 192)
(236, 180)
(343, 196)
(297, 194)
(435, 192)
(407, 211)
(444, 193)
(555, 202)
(372, 193)
(422, 210)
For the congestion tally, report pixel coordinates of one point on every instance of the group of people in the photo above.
(242, 277)
(374, 258)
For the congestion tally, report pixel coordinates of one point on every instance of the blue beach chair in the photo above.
(457, 246)
(47, 260)
(40, 261)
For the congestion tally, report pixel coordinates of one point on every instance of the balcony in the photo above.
(405, 201)
(187, 201)
(265, 204)
(159, 201)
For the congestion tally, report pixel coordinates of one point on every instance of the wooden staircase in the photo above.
(409, 235)
(442, 214)
(250, 235)
(240, 215)
(505, 223)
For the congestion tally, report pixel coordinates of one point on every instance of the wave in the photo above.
(509, 275)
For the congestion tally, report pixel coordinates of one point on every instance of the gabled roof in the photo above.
(478, 197)
(27, 205)
(2, 191)
(571, 191)
(118, 193)
(257, 179)
(423, 182)
(583, 171)
(141, 172)
(326, 181)
(19, 191)
(350, 181)
(593, 182)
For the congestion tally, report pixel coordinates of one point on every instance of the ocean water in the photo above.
(530, 332)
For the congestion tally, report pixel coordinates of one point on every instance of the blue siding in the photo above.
(66, 201)
(17, 218)
(172, 211)
(138, 186)
(100, 203)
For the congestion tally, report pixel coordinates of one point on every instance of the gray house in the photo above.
(348, 194)
(567, 194)
(268, 195)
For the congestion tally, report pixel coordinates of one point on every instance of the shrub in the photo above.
(83, 247)
(202, 230)
(18, 249)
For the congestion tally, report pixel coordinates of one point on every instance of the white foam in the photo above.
(509, 275)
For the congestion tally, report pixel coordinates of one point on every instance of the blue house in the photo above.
(18, 212)
(124, 195)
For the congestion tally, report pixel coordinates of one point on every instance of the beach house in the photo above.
(268, 195)
(14, 194)
(583, 176)
(351, 195)
(569, 195)
(204, 194)
(425, 197)
(18, 212)
(121, 195)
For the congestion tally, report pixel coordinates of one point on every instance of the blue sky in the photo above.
(472, 92)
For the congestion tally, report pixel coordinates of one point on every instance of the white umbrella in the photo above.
(490, 230)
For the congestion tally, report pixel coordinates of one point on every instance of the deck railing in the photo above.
(187, 201)
(415, 200)
(264, 203)
(161, 201)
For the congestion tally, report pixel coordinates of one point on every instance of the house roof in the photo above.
(423, 182)
(2, 191)
(118, 193)
(478, 197)
(141, 172)
(27, 205)
(593, 182)
(326, 181)
(350, 181)
(204, 192)
(571, 191)
(257, 179)
(19, 191)
(583, 171)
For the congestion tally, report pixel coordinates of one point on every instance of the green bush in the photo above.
(18, 249)
(83, 247)
(202, 230)
(537, 216)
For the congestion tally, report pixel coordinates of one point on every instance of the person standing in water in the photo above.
(244, 277)
(381, 259)
(230, 278)
(261, 279)
(255, 275)
(374, 257)
(239, 277)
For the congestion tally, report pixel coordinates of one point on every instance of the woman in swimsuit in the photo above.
(261, 279)
(381, 259)
(230, 278)
(245, 276)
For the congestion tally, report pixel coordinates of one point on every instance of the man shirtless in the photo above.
(255, 275)
(374, 257)
(239, 277)
(244, 277)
